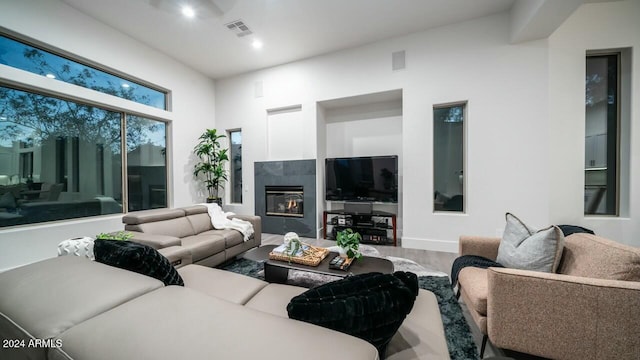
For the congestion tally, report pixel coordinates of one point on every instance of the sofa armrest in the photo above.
(484, 246)
(178, 256)
(561, 316)
(255, 221)
(154, 240)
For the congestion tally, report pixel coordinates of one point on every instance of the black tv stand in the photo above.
(373, 226)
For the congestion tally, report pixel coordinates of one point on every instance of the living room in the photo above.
(524, 146)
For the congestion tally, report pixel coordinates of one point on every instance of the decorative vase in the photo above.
(81, 246)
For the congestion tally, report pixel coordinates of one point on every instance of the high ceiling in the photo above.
(289, 29)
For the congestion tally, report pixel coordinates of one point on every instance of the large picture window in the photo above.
(61, 159)
(448, 157)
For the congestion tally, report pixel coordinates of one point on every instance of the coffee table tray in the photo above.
(312, 257)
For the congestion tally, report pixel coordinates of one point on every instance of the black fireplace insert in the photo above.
(284, 201)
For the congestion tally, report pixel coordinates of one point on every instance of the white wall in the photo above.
(192, 100)
(592, 27)
(525, 118)
(506, 89)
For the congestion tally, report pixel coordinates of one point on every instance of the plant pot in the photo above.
(342, 252)
(81, 246)
(215, 200)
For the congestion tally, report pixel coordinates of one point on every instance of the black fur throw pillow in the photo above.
(369, 306)
(136, 257)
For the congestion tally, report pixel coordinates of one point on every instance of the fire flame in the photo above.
(292, 204)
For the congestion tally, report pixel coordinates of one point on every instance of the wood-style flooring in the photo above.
(435, 260)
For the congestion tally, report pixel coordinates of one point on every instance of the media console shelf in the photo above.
(372, 226)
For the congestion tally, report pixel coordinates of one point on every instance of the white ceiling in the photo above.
(290, 29)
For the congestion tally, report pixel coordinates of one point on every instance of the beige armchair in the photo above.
(588, 310)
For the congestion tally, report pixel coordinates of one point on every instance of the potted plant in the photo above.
(120, 235)
(211, 164)
(349, 242)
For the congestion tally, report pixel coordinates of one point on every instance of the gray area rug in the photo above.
(459, 339)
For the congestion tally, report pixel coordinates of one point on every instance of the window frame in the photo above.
(23, 80)
(465, 105)
(618, 136)
(29, 41)
(231, 173)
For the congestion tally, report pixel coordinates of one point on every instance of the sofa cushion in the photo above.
(138, 258)
(200, 222)
(231, 237)
(178, 227)
(180, 323)
(524, 248)
(156, 241)
(222, 284)
(596, 257)
(147, 216)
(195, 209)
(421, 335)
(203, 245)
(48, 297)
(474, 282)
(273, 298)
(370, 306)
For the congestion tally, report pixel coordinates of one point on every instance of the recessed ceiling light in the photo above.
(257, 44)
(188, 11)
(126, 86)
(50, 76)
(3, 118)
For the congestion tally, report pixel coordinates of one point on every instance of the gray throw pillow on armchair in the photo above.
(525, 248)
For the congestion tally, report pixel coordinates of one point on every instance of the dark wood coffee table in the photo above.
(276, 271)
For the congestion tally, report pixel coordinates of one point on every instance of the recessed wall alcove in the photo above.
(362, 125)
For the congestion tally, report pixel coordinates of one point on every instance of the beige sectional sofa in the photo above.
(185, 235)
(587, 310)
(81, 309)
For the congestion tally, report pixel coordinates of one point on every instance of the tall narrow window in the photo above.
(448, 157)
(236, 165)
(602, 103)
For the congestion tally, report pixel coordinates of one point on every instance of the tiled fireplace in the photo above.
(285, 194)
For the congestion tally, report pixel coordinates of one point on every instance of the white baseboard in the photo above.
(430, 244)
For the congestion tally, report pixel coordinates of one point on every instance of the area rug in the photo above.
(459, 339)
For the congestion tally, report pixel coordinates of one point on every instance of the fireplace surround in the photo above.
(292, 204)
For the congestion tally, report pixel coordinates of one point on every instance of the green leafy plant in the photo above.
(211, 164)
(120, 235)
(350, 242)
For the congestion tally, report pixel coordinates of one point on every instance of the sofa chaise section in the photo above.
(201, 327)
(45, 299)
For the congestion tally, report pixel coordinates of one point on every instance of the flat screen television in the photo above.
(371, 179)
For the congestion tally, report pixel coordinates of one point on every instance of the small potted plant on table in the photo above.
(349, 242)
